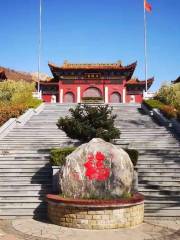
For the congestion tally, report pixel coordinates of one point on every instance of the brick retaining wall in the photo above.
(83, 217)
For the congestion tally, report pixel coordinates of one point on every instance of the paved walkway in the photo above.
(30, 229)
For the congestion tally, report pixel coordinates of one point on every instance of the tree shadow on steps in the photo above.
(43, 179)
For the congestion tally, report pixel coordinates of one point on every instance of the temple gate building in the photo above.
(111, 82)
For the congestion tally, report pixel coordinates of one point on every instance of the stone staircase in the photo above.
(158, 164)
(25, 173)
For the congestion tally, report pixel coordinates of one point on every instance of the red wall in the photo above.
(73, 88)
(111, 88)
(138, 98)
(46, 98)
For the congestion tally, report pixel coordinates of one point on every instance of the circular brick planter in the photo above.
(96, 214)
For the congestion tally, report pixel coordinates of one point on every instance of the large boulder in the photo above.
(97, 169)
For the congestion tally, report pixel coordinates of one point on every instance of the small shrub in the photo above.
(167, 94)
(87, 122)
(126, 195)
(153, 103)
(169, 111)
(58, 155)
(133, 154)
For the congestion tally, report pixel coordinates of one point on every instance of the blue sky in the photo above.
(92, 31)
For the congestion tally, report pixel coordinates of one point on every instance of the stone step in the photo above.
(22, 193)
(33, 157)
(159, 174)
(162, 187)
(158, 170)
(23, 167)
(29, 152)
(162, 207)
(25, 174)
(19, 171)
(22, 205)
(162, 213)
(159, 183)
(22, 212)
(160, 193)
(159, 178)
(35, 179)
(159, 198)
(153, 166)
(22, 198)
(24, 187)
(158, 157)
(20, 156)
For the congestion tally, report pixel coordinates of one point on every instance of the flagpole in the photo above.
(145, 46)
(39, 43)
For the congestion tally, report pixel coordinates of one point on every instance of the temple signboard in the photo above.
(92, 81)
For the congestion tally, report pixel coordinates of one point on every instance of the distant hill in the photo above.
(18, 75)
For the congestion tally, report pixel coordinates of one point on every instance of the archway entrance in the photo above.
(69, 97)
(92, 92)
(115, 97)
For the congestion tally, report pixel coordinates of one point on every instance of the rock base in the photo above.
(88, 215)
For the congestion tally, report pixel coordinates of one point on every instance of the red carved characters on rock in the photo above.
(95, 167)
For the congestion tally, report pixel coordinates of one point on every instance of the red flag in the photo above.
(147, 6)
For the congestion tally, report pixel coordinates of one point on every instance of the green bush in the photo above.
(169, 94)
(58, 155)
(87, 122)
(133, 154)
(153, 103)
(126, 195)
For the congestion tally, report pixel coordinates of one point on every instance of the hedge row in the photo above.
(58, 155)
(167, 110)
(153, 103)
(92, 98)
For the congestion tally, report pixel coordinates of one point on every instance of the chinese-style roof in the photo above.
(104, 66)
(137, 82)
(177, 80)
(59, 71)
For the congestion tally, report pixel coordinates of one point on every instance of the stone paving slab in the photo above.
(29, 229)
(155, 230)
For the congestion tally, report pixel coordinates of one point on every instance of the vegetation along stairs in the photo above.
(25, 173)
